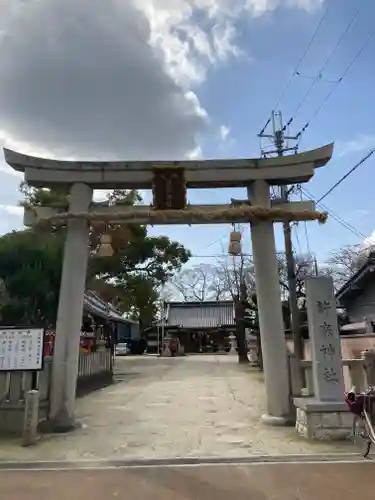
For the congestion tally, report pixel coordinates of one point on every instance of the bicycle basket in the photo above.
(364, 400)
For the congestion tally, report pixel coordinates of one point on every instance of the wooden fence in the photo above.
(94, 369)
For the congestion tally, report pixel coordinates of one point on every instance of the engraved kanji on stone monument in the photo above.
(325, 339)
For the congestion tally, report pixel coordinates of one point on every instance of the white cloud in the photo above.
(361, 143)
(91, 79)
(368, 244)
(80, 80)
(189, 46)
(370, 241)
(12, 210)
(84, 79)
(305, 4)
(224, 132)
(11, 218)
(195, 154)
(357, 214)
(100, 195)
(197, 108)
(6, 169)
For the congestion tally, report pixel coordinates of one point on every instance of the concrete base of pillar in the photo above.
(273, 421)
(323, 420)
(181, 351)
(58, 426)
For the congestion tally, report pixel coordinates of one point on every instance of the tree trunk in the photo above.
(241, 334)
(259, 352)
(241, 344)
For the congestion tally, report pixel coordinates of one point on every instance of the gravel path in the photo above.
(173, 407)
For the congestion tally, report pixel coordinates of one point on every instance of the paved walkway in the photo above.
(255, 482)
(173, 407)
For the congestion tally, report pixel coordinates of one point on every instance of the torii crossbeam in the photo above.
(80, 178)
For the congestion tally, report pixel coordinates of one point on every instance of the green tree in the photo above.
(30, 272)
(31, 260)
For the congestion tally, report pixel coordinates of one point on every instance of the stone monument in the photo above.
(324, 416)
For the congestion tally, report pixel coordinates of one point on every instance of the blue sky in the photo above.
(238, 87)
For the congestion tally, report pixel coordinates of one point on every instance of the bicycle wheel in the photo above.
(361, 435)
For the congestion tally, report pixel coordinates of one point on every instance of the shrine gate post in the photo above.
(81, 178)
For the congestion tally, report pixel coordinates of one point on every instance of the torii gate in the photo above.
(81, 178)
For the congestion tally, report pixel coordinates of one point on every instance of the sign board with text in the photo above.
(169, 189)
(325, 342)
(21, 349)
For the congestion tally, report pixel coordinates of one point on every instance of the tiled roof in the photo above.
(358, 281)
(95, 305)
(200, 314)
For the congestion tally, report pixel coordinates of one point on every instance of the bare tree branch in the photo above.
(199, 283)
(304, 266)
(345, 262)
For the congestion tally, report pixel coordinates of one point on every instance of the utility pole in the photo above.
(162, 326)
(316, 266)
(278, 139)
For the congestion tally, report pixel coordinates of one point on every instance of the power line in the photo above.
(217, 240)
(334, 216)
(298, 241)
(319, 76)
(337, 83)
(307, 239)
(220, 239)
(337, 217)
(218, 256)
(346, 225)
(307, 77)
(300, 61)
(225, 255)
(306, 232)
(344, 177)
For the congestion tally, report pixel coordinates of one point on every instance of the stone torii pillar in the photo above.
(228, 173)
(69, 315)
(271, 324)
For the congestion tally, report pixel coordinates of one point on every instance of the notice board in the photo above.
(21, 349)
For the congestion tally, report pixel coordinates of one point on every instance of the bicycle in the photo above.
(362, 406)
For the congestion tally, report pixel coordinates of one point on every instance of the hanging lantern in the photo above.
(235, 247)
(105, 248)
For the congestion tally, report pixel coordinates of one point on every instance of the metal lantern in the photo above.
(235, 247)
(105, 248)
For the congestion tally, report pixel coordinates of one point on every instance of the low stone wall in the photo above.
(323, 423)
(351, 348)
(320, 420)
(95, 371)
